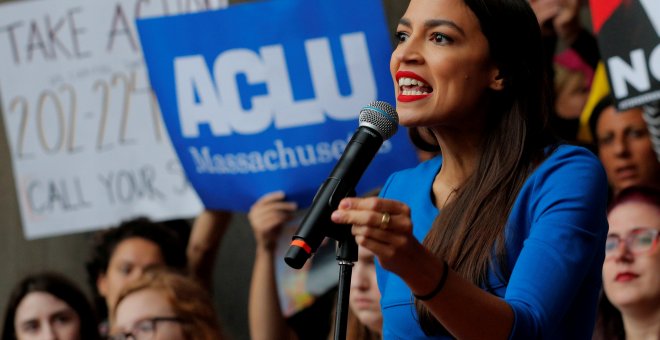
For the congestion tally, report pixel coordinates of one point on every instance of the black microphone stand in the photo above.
(347, 253)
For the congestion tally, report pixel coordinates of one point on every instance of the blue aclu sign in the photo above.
(265, 96)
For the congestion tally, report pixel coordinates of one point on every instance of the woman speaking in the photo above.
(502, 235)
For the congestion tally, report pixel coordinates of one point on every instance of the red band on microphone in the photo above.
(300, 243)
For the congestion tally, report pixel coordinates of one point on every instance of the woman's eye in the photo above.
(605, 140)
(401, 36)
(30, 327)
(125, 269)
(637, 133)
(440, 38)
(62, 318)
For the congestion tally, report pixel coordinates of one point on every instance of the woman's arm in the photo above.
(266, 319)
(460, 305)
(555, 270)
(205, 237)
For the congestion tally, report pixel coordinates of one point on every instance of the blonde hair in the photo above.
(188, 299)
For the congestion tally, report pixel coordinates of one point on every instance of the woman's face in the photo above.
(632, 279)
(41, 315)
(365, 296)
(625, 149)
(130, 259)
(572, 92)
(441, 66)
(147, 311)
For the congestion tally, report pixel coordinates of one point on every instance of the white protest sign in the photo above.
(87, 142)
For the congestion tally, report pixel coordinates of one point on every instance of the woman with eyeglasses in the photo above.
(164, 305)
(630, 307)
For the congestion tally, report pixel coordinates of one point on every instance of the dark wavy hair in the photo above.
(60, 287)
(469, 233)
(106, 241)
(598, 109)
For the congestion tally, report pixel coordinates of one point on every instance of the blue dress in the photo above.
(555, 243)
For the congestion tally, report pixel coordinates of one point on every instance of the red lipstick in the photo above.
(411, 97)
(625, 277)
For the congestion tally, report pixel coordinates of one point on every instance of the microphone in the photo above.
(378, 122)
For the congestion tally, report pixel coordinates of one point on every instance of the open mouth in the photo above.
(413, 87)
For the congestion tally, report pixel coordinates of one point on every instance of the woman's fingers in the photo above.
(268, 204)
(274, 200)
(375, 213)
(356, 217)
(283, 206)
(380, 249)
(380, 225)
(374, 204)
(271, 196)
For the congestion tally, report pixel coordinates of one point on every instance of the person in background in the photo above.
(624, 146)
(491, 239)
(365, 320)
(268, 216)
(573, 79)
(570, 58)
(630, 306)
(48, 306)
(163, 304)
(121, 254)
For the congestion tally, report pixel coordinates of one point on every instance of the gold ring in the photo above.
(385, 220)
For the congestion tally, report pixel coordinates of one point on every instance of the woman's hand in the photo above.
(267, 216)
(558, 17)
(567, 21)
(384, 227)
(546, 11)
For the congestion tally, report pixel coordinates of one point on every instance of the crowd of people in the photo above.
(510, 227)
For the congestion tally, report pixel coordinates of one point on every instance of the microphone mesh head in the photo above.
(381, 117)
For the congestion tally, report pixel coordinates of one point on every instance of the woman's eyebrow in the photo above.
(442, 22)
(431, 23)
(405, 22)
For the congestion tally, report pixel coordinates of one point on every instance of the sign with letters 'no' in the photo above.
(628, 35)
(265, 96)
